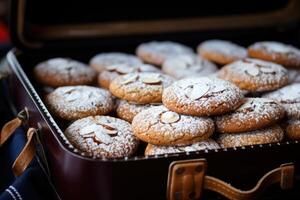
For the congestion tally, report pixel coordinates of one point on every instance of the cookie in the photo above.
(58, 72)
(160, 126)
(255, 75)
(255, 113)
(100, 61)
(198, 146)
(144, 87)
(111, 72)
(221, 51)
(202, 96)
(75, 102)
(128, 110)
(292, 129)
(157, 52)
(289, 98)
(294, 75)
(102, 136)
(263, 136)
(277, 52)
(184, 66)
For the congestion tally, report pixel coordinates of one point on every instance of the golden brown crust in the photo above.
(292, 129)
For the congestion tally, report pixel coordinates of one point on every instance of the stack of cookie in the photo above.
(183, 123)
(138, 91)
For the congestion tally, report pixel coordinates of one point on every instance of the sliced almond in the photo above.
(267, 70)
(198, 91)
(73, 96)
(253, 71)
(111, 68)
(109, 129)
(129, 78)
(69, 90)
(102, 137)
(90, 129)
(169, 117)
(123, 69)
(151, 79)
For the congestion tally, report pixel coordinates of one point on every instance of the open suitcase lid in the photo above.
(38, 25)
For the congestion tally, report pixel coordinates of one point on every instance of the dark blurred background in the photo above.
(4, 38)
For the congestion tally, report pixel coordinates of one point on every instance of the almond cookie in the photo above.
(221, 51)
(292, 129)
(263, 136)
(184, 66)
(160, 126)
(58, 72)
(289, 98)
(144, 87)
(255, 75)
(75, 102)
(255, 113)
(102, 136)
(198, 146)
(157, 52)
(100, 61)
(277, 52)
(111, 72)
(128, 110)
(202, 96)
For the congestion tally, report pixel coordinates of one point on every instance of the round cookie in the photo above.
(221, 51)
(255, 113)
(102, 136)
(75, 102)
(128, 110)
(58, 72)
(160, 126)
(292, 129)
(100, 61)
(111, 72)
(157, 52)
(277, 52)
(202, 96)
(255, 75)
(184, 66)
(144, 87)
(289, 98)
(198, 146)
(262, 136)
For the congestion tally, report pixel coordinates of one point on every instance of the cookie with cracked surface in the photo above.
(202, 96)
(75, 102)
(221, 51)
(253, 114)
(113, 71)
(102, 60)
(156, 52)
(291, 128)
(284, 54)
(102, 136)
(128, 110)
(209, 144)
(184, 66)
(143, 87)
(160, 126)
(289, 98)
(58, 72)
(255, 75)
(263, 136)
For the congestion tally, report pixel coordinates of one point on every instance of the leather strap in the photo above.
(26, 155)
(10, 127)
(187, 179)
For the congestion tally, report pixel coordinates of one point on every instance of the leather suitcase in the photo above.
(38, 35)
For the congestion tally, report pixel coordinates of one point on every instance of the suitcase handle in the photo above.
(187, 180)
(10, 127)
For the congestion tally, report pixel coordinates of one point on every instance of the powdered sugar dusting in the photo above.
(148, 124)
(72, 102)
(198, 146)
(276, 47)
(120, 145)
(183, 66)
